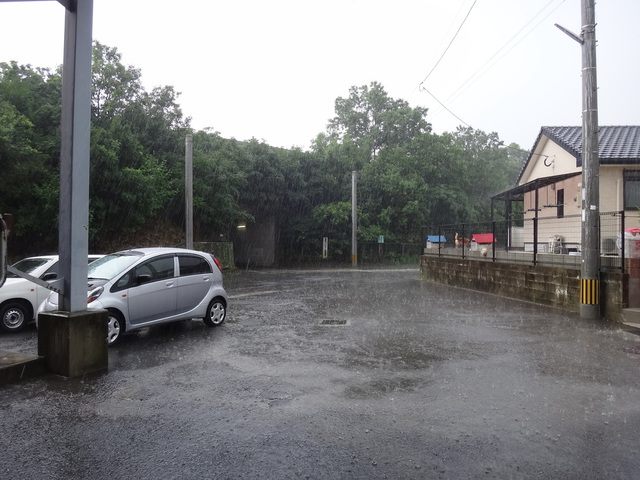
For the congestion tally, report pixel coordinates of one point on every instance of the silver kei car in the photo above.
(149, 286)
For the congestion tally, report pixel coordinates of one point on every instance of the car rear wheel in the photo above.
(216, 313)
(14, 316)
(115, 327)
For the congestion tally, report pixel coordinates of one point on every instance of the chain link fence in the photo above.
(544, 240)
(373, 252)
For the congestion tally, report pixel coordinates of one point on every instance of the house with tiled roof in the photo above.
(550, 183)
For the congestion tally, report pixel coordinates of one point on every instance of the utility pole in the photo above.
(590, 266)
(354, 219)
(188, 190)
(590, 271)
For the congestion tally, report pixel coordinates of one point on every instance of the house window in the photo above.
(560, 202)
(631, 189)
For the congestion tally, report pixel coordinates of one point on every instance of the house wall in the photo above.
(553, 286)
(611, 200)
(549, 159)
(612, 187)
(549, 224)
(547, 196)
(559, 160)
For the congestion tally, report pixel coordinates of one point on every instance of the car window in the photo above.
(124, 282)
(28, 265)
(157, 268)
(193, 264)
(54, 268)
(109, 266)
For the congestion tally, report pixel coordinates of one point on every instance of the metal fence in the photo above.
(543, 240)
(372, 252)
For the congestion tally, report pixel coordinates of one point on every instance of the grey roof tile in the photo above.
(614, 142)
(617, 145)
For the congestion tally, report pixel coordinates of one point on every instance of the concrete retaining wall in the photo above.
(554, 286)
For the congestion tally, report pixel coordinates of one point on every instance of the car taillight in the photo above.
(218, 264)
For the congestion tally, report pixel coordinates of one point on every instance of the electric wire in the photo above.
(450, 43)
(479, 73)
(445, 107)
(421, 85)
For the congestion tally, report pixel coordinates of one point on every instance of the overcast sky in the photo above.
(272, 69)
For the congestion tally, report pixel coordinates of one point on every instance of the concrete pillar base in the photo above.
(73, 343)
(590, 312)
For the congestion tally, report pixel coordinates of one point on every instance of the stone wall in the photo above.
(553, 286)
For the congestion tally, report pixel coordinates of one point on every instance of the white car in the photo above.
(149, 286)
(20, 298)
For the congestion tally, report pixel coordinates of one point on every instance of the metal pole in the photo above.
(3, 250)
(493, 244)
(535, 226)
(622, 252)
(73, 237)
(188, 189)
(354, 219)
(590, 270)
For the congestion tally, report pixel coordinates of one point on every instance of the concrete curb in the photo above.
(15, 367)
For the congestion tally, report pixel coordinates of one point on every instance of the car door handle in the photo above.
(205, 278)
(169, 284)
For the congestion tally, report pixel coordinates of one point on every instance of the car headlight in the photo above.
(94, 294)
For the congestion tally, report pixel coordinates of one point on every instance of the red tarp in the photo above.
(482, 237)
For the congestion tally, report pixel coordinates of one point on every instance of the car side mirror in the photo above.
(49, 276)
(144, 278)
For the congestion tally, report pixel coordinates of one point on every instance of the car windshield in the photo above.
(109, 266)
(28, 265)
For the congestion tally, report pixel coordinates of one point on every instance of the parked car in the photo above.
(20, 298)
(149, 286)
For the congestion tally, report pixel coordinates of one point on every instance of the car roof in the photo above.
(55, 257)
(160, 250)
(41, 257)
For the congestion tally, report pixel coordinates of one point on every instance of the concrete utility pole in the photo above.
(188, 189)
(354, 219)
(590, 271)
(590, 267)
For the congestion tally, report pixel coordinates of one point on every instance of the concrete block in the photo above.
(73, 343)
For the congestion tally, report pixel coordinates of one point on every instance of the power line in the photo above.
(479, 73)
(450, 43)
(444, 106)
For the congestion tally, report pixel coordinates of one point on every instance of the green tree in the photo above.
(137, 146)
(29, 151)
(373, 120)
(128, 186)
(488, 167)
(114, 87)
(217, 185)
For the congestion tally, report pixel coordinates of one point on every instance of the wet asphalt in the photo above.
(340, 374)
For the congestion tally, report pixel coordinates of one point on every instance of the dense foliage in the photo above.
(408, 176)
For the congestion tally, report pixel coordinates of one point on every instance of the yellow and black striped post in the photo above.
(590, 291)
